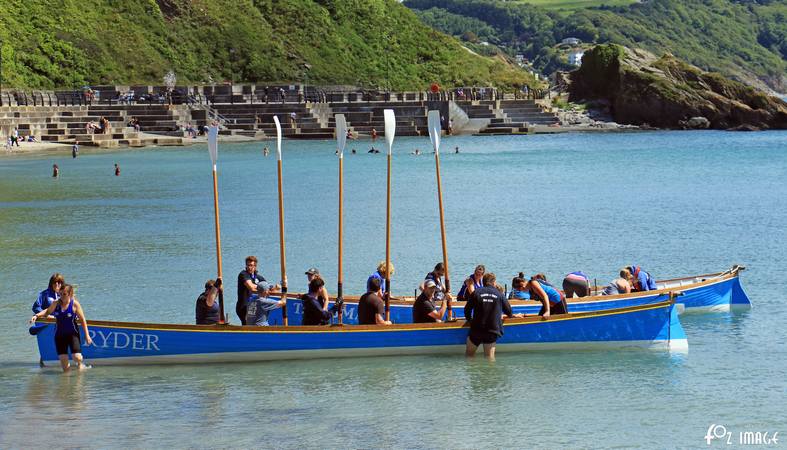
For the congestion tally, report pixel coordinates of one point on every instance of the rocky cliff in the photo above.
(665, 92)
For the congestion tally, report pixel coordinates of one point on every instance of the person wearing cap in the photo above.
(260, 306)
(314, 313)
(247, 287)
(322, 296)
(380, 276)
(424, 310)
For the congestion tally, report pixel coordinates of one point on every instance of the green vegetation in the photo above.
(570, 5)
(743, 39)
(666, 92)
(372, 43)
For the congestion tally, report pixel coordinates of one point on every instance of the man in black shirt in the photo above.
(247, 287)
(424, 310)
(371, 309)
(207, 308)
(313, 311)
(485, 310)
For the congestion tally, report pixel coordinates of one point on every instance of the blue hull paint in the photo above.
(718, 296)
(652, 326)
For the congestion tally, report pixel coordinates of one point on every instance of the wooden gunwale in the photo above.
(461, 323)
(408, 301)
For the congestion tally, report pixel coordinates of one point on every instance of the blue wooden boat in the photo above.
(652, 326)
(715, 292)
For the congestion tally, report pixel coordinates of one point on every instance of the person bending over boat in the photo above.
(519, 289)
(207, 309)
(484, 310)
(322, 296)
(49, 295)
(66, 310)
(473, 282)
(576, 284)
(260, 305)
(424, 310)
(552, 300)
(619, 285)
(247, 287)
(640, 280)
(379, 275)
(371, 308)
(315, 311)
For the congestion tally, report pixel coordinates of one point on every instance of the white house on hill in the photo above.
(575, 58)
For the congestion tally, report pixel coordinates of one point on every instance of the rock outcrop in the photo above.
(665, 92)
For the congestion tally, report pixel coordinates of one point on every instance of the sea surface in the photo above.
(140, 246)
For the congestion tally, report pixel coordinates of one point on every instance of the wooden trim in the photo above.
(408, 301)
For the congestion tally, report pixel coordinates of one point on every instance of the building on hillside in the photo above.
(571, 41)
(575, 57)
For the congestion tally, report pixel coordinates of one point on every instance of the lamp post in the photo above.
(308, 67)
(232, 67)
(1, 72)
(169, 82)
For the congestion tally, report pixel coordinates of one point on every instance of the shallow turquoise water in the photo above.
(141, 245)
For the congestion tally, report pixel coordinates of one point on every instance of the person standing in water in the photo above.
(67, 336)
(74, 150)
(117, 170)
(55, 171)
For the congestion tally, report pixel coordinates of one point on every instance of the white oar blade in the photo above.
(434, 129)
(278, 136)
(341, 133)
(213, 143)
(390, 127)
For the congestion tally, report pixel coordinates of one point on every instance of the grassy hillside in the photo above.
(570, 5)
(744, 39)
(64, 43)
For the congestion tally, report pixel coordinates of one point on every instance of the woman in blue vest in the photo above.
(519, 290)
(50, 294)
(473, 282)
(67, 337)
(552, 300)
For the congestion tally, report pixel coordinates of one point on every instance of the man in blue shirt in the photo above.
(49, 295)
(259, 307)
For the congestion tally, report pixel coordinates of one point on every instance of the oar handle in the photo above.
(340, 301)
(387, 296)
(220, 286)
(284, 308)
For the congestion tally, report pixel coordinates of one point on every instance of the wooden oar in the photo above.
(341, 141)
(434, 136)
(390, 131)
(213, 150)
(282, 258)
